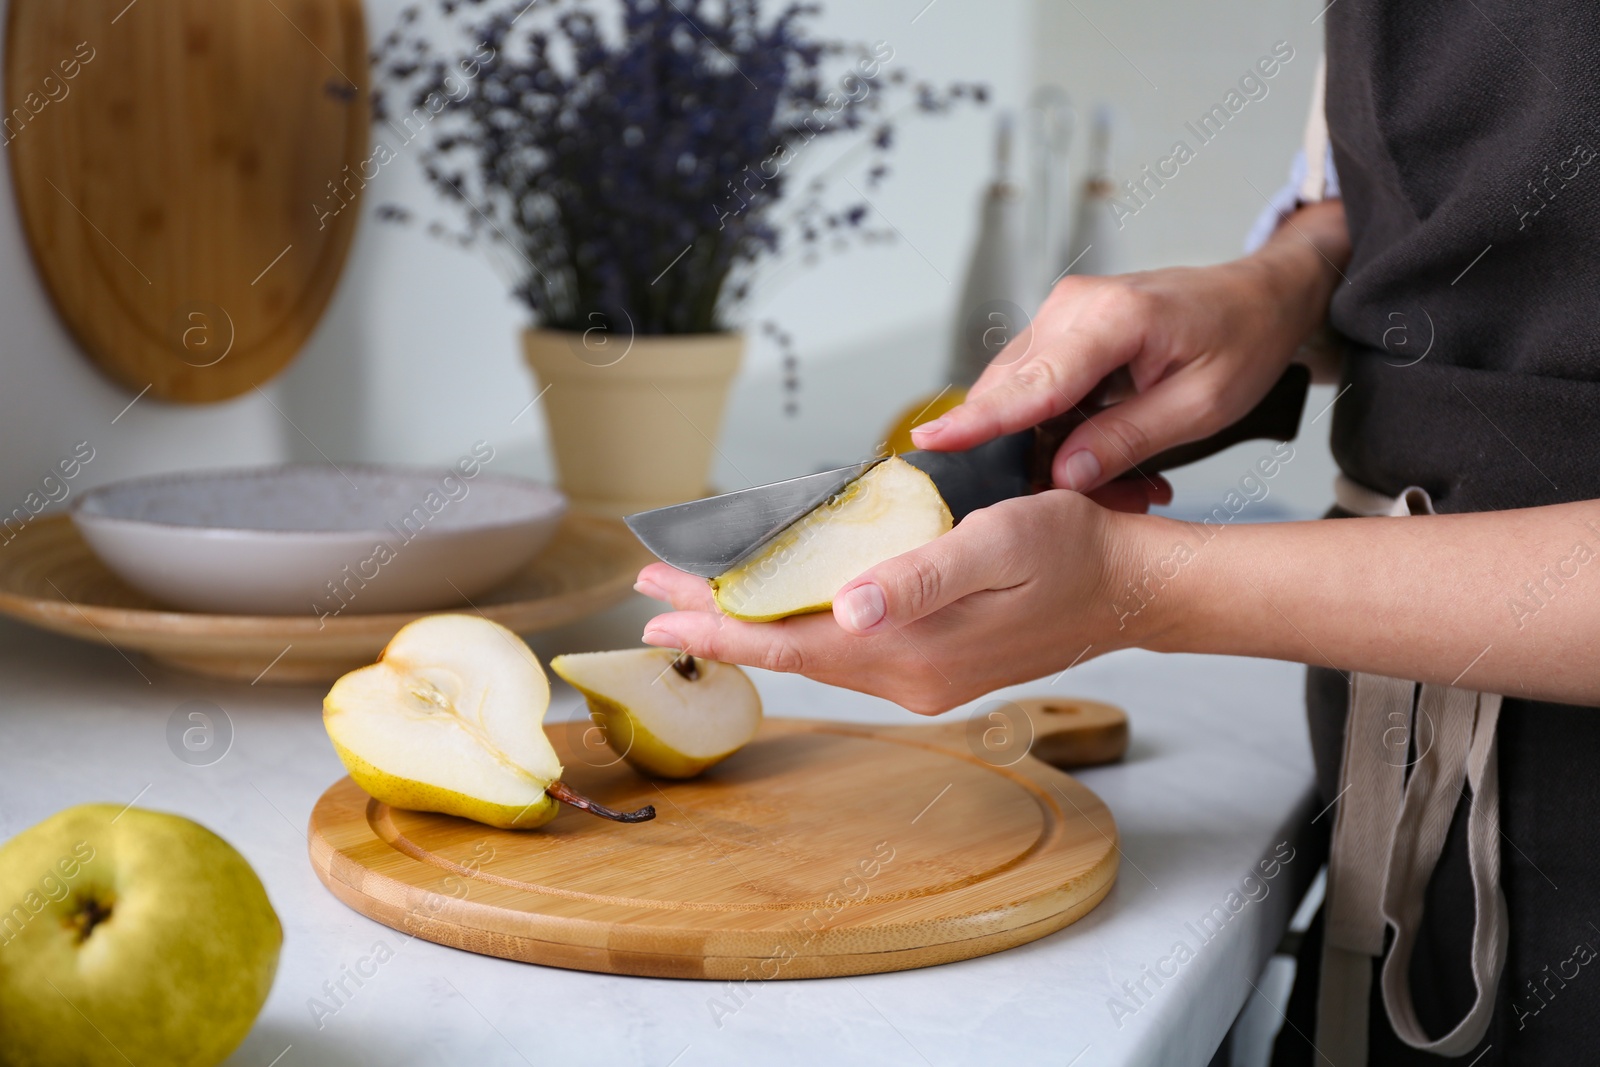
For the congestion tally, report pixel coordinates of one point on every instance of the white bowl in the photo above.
(314, 539)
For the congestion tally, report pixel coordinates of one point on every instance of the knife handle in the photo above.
(968, 479)
(1275, 418)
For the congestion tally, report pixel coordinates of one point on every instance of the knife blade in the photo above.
(709, 536)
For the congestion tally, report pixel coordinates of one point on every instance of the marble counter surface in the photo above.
(1217, 781)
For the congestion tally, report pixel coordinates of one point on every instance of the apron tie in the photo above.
(1388, 834)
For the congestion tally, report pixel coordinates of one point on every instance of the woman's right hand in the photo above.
(1203, 345)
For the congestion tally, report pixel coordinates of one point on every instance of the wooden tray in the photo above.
(188, 174)
(50, 578)
(821, 849)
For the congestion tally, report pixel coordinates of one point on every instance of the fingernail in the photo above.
(930, 429)
(656, 636)
(650, 589)
(864, 607)
(1081, 470)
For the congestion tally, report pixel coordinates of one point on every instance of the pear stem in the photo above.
(563, 792)
(90, 913)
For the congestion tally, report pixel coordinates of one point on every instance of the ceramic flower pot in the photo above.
(633, 423)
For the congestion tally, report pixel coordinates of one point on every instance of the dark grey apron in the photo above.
(1467, 139)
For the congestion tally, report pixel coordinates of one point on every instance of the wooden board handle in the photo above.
(1064, 732)
(1069, 732)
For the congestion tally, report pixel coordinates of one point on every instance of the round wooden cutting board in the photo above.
(188, 173)
(820, 849)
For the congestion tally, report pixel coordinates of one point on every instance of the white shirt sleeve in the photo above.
(1287, 199)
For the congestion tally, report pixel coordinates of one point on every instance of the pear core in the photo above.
(667, 714)
(450, 720)
(891, 509)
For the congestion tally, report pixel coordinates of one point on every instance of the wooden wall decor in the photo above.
(188, 175)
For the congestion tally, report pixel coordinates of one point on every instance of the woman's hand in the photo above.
(1031, 586)
(1016, 591)
(1203, 345)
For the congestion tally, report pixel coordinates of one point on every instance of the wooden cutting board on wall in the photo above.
(820, 849)
(188, 174)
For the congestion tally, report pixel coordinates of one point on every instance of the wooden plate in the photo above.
(188, 174)
(50, 578)
(820, 849)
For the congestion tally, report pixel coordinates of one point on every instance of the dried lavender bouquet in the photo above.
(629, 170)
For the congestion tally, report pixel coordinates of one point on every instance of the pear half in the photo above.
(891, 509)
(450, 719)
(667, 714)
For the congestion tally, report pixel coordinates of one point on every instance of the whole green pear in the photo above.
(129, 936)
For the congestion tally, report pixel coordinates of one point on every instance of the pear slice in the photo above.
(450, 720)
(891, 509)
(667, 715)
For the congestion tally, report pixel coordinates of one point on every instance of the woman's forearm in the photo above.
(1504, 602)
(1301, 263)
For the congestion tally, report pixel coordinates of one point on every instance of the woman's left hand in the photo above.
(1018, 590)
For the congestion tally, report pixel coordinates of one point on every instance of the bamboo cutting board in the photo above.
(188, 173)
(820, 849)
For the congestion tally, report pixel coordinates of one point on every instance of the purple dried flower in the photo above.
(632, 169)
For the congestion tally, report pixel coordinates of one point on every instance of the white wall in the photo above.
(1160, 65)
(418, 355)
(52, 398)
(870, 364)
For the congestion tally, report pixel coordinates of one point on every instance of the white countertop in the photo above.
(1219, 774)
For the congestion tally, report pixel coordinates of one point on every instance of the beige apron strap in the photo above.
(1387, 838)
(1465, 748)
(1372, 784)
(1314, 186)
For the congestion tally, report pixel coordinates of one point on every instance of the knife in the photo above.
(709, 536)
